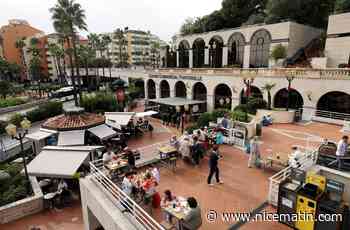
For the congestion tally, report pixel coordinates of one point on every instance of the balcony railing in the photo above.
(143, 220)
(262, 72)
(332, 115)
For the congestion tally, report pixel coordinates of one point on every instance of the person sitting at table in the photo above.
(185, 148)
(156, 174)
(139, 122)
(167, 199)
(193, 220)
(174, 142)
(131, 159)
(62, 191)
(108, 156)
(148, 187)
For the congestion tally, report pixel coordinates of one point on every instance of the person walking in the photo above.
(213, 166)
(342, 148)
(254, 155)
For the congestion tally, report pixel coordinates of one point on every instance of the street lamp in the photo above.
(289, 79)
(11, 130)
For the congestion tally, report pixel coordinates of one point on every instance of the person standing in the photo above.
(213, 166)
(342, 148)
(254, 155)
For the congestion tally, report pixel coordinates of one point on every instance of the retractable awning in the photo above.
(57, 164)
(71, 138)
(177, 101)
(117, 118)
(88, 148)
(145, 114)
(39, 135)
(103, 132)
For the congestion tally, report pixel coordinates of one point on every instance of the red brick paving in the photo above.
(243, 190)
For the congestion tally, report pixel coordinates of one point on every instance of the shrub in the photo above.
(279, 52)
(16, 119)
(192, 128)
(219, 113)
(241, 116)
(254, 104)
(12, 102)
(204, 119)
(100, 103)
(5, 88)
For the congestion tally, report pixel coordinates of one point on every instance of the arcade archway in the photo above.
(180, 89)
(260, 49)
(295, 101)
(184, 46)
(235, 46)
(335, 101)
(198, 49)
(164, 89)
(255, 92)
(216, 45)
(151, 89)
(223, 97)
(200, 93)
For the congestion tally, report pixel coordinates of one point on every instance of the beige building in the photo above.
(338, 40)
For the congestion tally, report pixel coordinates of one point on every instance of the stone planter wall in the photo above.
(25, 207)
(278, 116)
(22, 106)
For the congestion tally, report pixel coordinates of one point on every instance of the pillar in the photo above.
(146, 89)
(246, 56)
(177, 59)
(210, 103)
(224, 56)
(235, 101)
(308, 113)
(190, 57)
(157, 90)
(206, 56)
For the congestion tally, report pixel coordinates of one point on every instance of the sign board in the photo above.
(237, 137)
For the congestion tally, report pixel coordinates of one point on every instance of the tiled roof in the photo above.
(74, 122)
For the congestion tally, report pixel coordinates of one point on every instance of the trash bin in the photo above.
(259, 130)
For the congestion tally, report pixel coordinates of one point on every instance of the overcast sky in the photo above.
(161, 17)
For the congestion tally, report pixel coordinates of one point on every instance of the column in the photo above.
(177, 59)
(308, 113)
(246, 56)
(146, 89)
(157, 90)
(224, 56)
(189, 92)
(210, 103)
(190, 57)
(235, 101)
(172, 91)
(206, 56)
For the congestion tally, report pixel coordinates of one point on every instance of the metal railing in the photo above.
(307, 161)
(332, 115)
(142, 218)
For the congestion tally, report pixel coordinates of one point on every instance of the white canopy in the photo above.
(57, 164)
(177, 101)
(145, 114)
(88, 148)
(39, 135)
(71, 138)
(119, 118)
(103, 132)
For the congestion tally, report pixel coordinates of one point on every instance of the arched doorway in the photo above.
(335, 101)
(260, 49)
(171, 57)
(200, 93)
(236, 45)
(164, 89)
(180, 89)
(295, 101)
(184, 46)
(140, 85)
(255, 92)
(198, 49)
(215, 52)
(223, 97)
(151, 89)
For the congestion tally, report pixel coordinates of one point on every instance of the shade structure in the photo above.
(57, 164)
(71, 138)
(146, 114)
(103, 132)
(39, 135)
(121, 119)
(176, 101)
(88, 148)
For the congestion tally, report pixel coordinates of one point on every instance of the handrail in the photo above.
(140, 215)
(332, 115)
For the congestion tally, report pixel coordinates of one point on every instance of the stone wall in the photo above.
(25, 207)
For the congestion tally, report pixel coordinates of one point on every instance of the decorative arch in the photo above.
(222, 97)
(151, 89)
(199, 92)
(255, 92)
(260, 43)
(198, 49)
(216, 45)
(183, 48)
(180, 89)
(236, 44)
(335, 101)
(140, 84)
(296, 101)
(164, 89)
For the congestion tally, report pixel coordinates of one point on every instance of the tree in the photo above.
(68, 17)
(35, 67)
(279, 52)
(20, 44)
(86, 55)
(5, 88)
(268, 87)
(119, 34)
(342, 6)
(107, 40)
(57, 54)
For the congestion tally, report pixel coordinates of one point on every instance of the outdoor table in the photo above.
(168, 156)
(279, 159)
(116, 166)
(180, 211)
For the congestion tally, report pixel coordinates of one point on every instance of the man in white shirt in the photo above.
(107, 157)
(342, 149)
(127, 185)
(294, 157)
(156, 174)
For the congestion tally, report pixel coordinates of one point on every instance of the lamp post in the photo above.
(289, 79)
(11, 130)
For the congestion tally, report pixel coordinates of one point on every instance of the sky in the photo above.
(161, 17)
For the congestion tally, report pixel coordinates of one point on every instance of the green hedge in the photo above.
(12, 101)
(100, 103)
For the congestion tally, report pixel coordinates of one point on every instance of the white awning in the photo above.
(177, 101)
(113, 124)
(119, 118)
(39, 135)
(71, 138)
(145, 114)
(57, 164)
(103, 132)
(88, 148)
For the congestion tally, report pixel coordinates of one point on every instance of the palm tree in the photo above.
(268, 87)
(68, 17)
(86, 54)
(35, 67)
(120, 36)
(20, 44)
(107, 41)
(57, 54)
(94, 41)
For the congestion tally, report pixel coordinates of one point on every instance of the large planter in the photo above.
(250, 127)
(278, 116)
